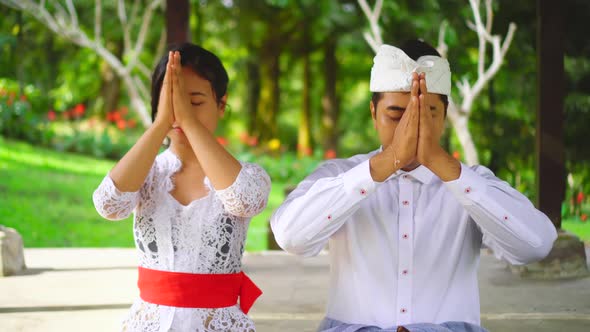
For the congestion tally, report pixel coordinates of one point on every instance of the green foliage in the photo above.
(19, 115)
(57, 75)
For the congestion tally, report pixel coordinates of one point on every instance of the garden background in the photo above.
(299, 74)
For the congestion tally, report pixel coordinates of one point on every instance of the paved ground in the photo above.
(91, 289)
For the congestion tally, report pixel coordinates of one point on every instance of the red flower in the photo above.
(330, 154)
(121, 124)
(51, 115)
(131, 123)
(584, 217)
(252, 141)
(116, 116)
(456, 155)
(23, 97)
(79, 110)
(580, 197)
(222, 141)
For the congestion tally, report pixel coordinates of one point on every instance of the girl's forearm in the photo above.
(130, 172)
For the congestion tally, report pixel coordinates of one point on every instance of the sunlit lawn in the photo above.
(576, 226)
(47, 197)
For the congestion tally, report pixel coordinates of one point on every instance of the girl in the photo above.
(192, 203)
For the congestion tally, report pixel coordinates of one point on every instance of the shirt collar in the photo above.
(420, 173)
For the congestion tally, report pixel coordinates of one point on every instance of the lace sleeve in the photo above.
(111, 203)
(247, 196)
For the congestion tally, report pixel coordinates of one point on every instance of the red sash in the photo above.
(188, 290)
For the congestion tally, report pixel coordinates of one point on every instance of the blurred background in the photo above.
(75, 83)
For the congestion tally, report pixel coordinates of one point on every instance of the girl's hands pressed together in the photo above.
(165, 115)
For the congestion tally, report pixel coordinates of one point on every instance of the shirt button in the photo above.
(363, 192)
(403, 311)
(505, 217)
(330, 217)
(405, 236)
(467, 190)
(405, 203)
(405, 272)
(406, 176)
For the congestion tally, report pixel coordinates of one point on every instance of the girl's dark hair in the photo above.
(204, 63)
(415, 48)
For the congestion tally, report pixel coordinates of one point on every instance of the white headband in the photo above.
(392, 71)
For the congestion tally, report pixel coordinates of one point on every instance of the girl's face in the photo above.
(202, 102)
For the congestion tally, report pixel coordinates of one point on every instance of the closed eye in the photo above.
(197, 104)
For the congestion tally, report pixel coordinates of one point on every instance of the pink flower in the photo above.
(51, 115)
(456, 155)
(580, 197)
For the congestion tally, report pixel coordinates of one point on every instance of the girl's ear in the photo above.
(222, 105)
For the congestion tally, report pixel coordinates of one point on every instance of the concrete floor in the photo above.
(91, 289)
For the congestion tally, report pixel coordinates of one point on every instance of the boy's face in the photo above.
(391, 107)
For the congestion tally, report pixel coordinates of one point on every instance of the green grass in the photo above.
(47, 197)
(576, 226)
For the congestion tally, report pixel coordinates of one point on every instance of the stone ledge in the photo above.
(12, 259)
(567, 259)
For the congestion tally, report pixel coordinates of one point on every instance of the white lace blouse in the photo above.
(206, 236)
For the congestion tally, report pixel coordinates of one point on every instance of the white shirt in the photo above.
(407, 250)
(206, 237)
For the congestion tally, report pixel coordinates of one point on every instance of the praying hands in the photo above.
(416, 138)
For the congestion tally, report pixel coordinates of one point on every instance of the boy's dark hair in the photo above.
(204, 63)
(414, 48)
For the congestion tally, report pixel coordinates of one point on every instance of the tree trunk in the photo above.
(304, 134)
(110, 90)
(268, 105)
(253, 87)
(177, 21)
(460, 121)
(330, 102)
(493, 165)
(137, 103)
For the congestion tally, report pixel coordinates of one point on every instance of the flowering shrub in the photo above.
(18, 118)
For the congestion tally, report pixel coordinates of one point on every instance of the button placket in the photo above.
(405, 250)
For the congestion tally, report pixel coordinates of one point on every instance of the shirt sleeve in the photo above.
(248, 195)
(512, 227)
(111, 203)
(319, 206)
